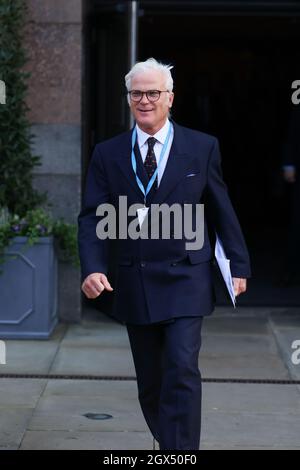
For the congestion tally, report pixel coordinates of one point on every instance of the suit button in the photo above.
(142, 264)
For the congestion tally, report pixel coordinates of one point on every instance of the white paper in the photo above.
(142, 213)
(224, 265)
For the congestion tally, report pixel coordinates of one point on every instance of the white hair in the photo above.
(150, 64)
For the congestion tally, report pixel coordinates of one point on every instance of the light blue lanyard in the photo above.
(133, 162)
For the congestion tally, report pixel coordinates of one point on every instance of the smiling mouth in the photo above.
(145, 110)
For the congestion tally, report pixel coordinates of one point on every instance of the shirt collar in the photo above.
(161, 135)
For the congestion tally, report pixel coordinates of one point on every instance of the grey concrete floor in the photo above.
(246, 343)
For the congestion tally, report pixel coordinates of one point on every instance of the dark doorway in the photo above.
(233, 78)
(233, 73)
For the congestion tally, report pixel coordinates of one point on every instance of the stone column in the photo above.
(54, 45)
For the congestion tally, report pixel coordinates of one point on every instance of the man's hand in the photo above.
(240, 285)
(289, 174)
(95, 284)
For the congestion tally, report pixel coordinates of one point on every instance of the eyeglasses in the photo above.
(152, 95)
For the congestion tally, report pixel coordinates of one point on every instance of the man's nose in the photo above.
(144, 99)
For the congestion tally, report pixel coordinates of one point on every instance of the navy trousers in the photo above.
(165, 356)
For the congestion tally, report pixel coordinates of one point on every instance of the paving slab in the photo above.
(284, 315)
(63, 406)
(90, 360)
(121, 389)
(243, 367)
(249, 343)
(97, 333)
(233, 324)
(286, 330)
(13, 424)
(257, 398)
(21, 392)
(32, 356)
(95, 348)
(18, 400)
(76, 440)
(270, 430)
(243, 344)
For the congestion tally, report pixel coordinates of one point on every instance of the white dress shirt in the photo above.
(161, 137)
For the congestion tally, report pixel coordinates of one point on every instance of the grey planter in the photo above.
(28, 290)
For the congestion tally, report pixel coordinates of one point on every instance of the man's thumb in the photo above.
(105, 282)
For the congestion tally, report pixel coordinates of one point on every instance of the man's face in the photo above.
(151, 116)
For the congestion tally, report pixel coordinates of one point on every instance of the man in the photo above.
(162, 289)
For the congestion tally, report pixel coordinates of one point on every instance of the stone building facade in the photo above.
(54, 46)
(233, 66)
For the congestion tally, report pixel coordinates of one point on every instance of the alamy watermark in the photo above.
(2, 92)
(296, 354)
(2, 353)
(188, 222)
(296, 94)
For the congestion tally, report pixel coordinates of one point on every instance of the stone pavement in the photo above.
(247, 343)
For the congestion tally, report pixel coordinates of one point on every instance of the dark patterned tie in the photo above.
(150, 160)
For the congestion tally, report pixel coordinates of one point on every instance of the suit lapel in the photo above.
(124, 162)
(179, 161)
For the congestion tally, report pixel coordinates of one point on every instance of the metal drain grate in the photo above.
(132, 378)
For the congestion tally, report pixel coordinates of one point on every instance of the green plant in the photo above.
(20, 215)
(16, 159)
(37, 223)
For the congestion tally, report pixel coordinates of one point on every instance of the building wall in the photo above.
(54, 45)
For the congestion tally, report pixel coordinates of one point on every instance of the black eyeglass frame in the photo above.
(146, 93)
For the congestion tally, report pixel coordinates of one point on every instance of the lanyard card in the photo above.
(142, 213)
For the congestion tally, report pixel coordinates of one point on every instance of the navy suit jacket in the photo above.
(159, 279)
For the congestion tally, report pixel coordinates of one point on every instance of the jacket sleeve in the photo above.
(223, 218)
(93, 252)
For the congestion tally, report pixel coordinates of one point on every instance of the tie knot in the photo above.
(151, 142)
